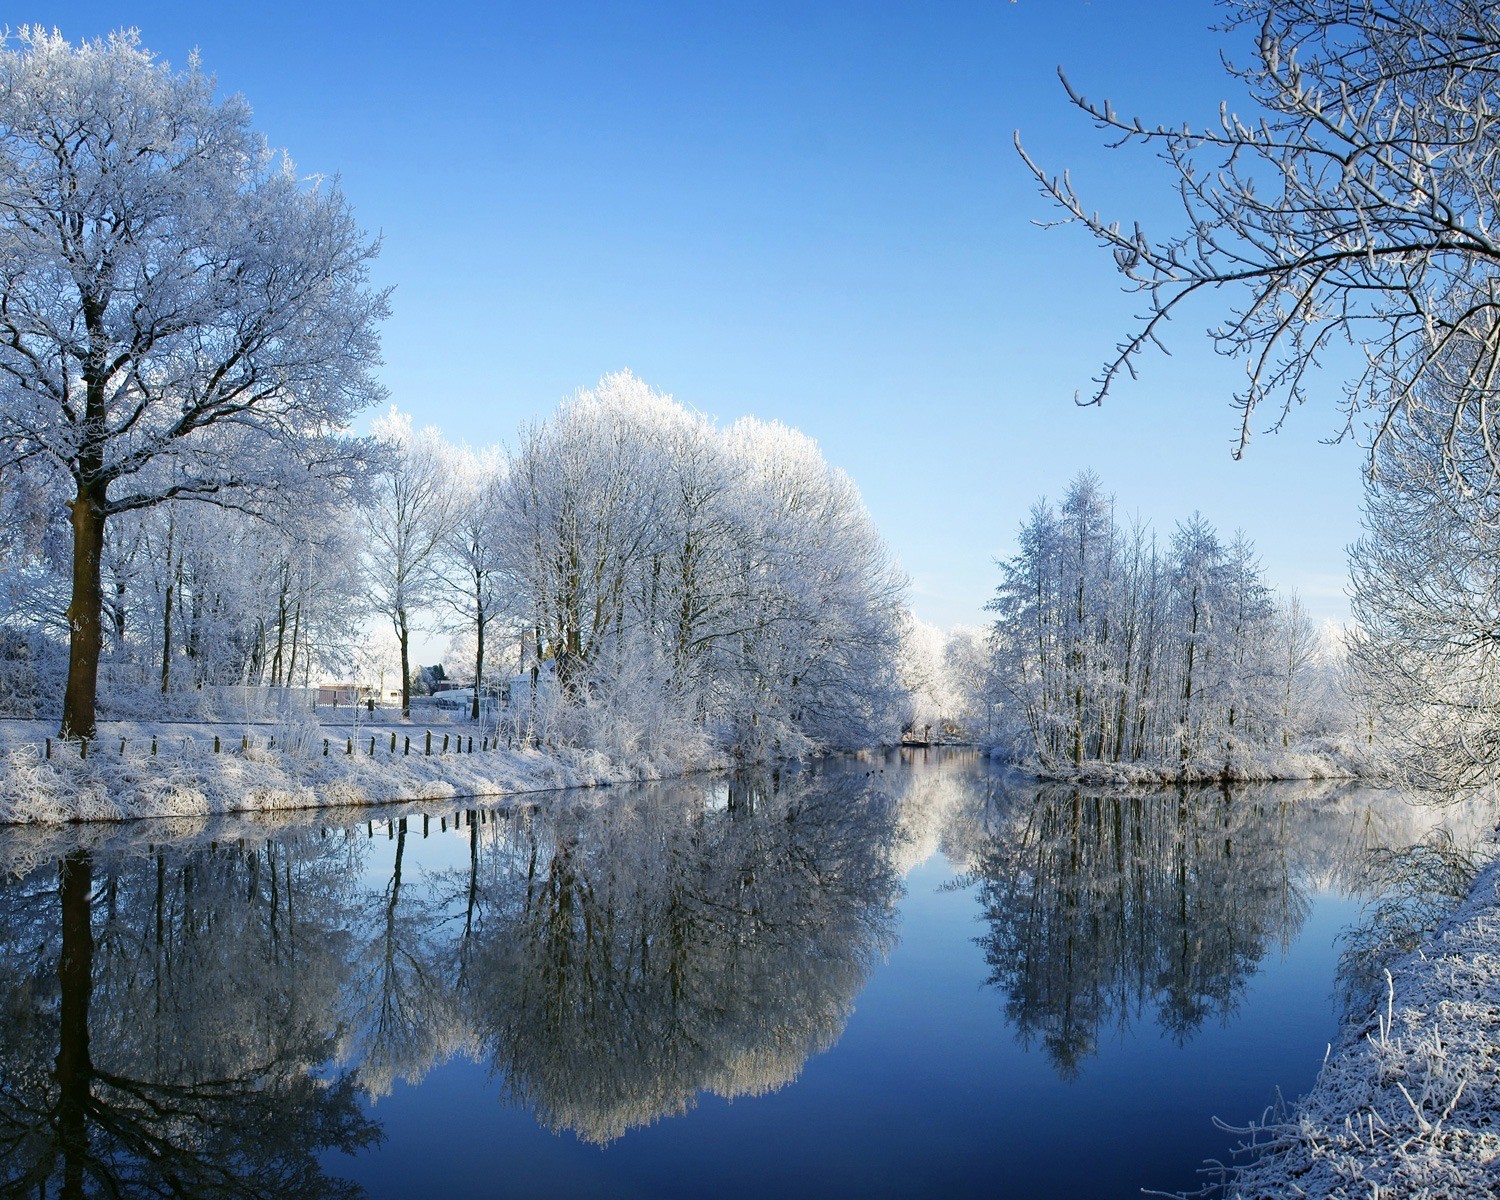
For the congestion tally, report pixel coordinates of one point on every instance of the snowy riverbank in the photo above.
(1408, 1104)
(1323, 759)
(185, 778)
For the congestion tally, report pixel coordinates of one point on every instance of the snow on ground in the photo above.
(185, 778)
(1323, 758)
(1409, 1104)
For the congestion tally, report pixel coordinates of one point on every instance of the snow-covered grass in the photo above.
(1323, 758)
(185, 778)
(1409, 1103)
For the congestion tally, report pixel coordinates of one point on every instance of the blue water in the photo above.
(877, 978)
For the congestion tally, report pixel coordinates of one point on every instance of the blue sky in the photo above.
(808, 212)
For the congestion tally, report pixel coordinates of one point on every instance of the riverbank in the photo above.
(1323, 759)
(1408, 1104)
(185, 776)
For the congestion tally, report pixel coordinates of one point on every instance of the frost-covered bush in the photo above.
(32, 669)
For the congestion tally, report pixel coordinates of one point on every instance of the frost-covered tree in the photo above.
(1426, 605)
(469, 558)
(1354, 203)
(410, 517)
(182, 316)
(1295, 657)
(677, 577)
(1109, 648)
(819, 636)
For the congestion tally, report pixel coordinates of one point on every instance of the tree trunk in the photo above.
(85, 614)
(404, 637)
(291, 666)
(166, 638)
(1187, 689)
(478, 663)
(166, 617)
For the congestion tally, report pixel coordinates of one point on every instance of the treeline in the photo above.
(1112, 645)
(663, 581)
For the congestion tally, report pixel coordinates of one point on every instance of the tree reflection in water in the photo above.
(1100, 907)
(211, 1020)
(163, 1014)
(214, 1019)
(634, 957)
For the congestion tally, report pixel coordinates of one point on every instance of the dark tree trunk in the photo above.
(478, 664)
(166, 618)
(85, 613)
(74, 1066)
(403, 635)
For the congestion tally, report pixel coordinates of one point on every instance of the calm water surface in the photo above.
(883, 978)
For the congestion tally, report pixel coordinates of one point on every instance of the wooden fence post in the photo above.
(216, 743)
(83, 748)
(405, 746)
(49, 747)
(445, 743)
(429, 743)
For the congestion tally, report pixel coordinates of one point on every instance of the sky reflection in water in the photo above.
(877, 978)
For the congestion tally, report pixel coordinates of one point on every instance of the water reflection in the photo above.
(632, 959)
(1103, 910)
(211, 1011)
(1099, 907)
(206, 1021)
(162, 1017)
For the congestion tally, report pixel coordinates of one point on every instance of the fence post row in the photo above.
(486, 744)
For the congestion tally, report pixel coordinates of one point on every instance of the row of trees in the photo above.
(656, 576)
(187, 329)
(181, 315)
(1113, 645)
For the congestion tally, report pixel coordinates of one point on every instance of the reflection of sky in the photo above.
(811, 213)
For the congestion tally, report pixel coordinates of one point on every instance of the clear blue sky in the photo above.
(809, 212)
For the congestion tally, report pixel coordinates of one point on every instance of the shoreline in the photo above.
(192, 783)
(1324, 761)
(1405, 1103)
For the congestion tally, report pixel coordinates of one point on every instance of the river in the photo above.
(907, 975)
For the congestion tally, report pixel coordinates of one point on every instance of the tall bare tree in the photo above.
(411, 516)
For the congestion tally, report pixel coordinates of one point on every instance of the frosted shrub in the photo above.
(298, 733)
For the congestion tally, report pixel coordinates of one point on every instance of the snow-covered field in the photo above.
(186, 778)
(1409, 1103)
